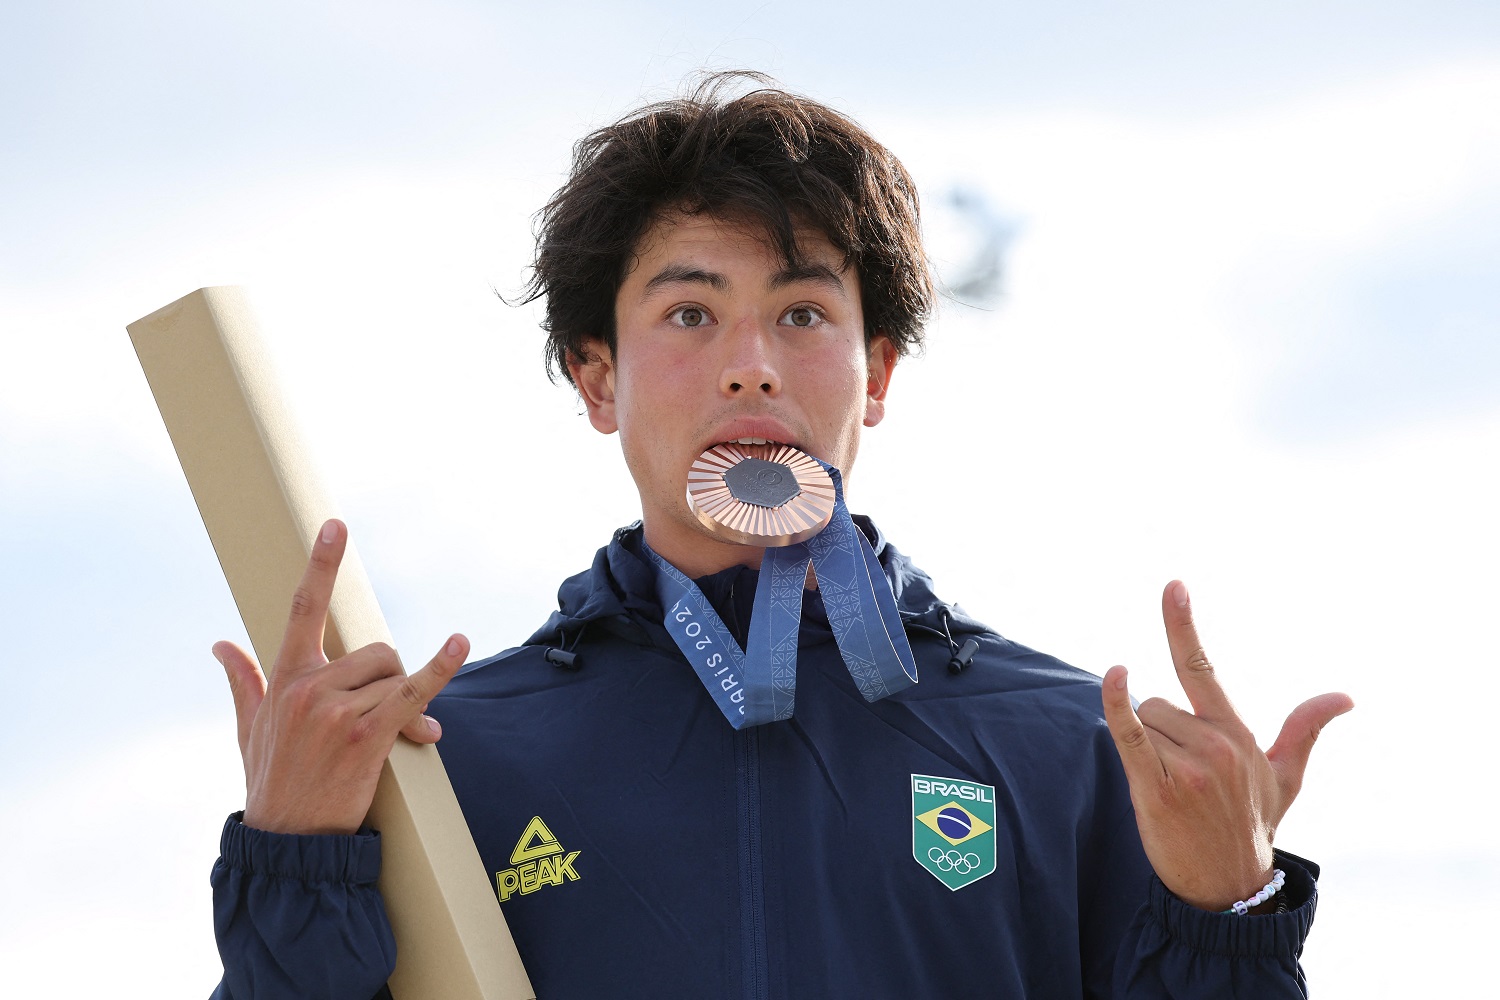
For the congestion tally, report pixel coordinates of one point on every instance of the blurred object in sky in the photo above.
(967, 239)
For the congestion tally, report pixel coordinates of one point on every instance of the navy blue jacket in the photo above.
(643, 848)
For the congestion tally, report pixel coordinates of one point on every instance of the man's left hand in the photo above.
(1207, 800)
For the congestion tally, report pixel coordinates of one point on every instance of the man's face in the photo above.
(717, 341)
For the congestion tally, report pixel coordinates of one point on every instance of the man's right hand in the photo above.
(314, 739)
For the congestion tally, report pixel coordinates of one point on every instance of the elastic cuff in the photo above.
(347, 859)
(1269, 935)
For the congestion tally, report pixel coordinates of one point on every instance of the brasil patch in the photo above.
(953, 828)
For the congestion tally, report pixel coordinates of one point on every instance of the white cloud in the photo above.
(111, 859)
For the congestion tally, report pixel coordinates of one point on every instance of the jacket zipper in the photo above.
(756, 973)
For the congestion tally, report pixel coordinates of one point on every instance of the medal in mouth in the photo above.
(791, 504)
(760, 494)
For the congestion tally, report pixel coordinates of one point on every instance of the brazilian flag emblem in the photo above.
(953, 828)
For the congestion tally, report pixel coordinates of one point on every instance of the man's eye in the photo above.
(690, 316)
(803, 316)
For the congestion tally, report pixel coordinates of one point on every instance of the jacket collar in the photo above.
(618, 594)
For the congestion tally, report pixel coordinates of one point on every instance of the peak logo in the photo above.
(953, 828)
(537, 860)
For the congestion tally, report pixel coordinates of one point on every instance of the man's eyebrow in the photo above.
(682, 273)
(818, 274)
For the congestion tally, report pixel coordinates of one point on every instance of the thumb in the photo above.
(1289, 754)
(247, 684)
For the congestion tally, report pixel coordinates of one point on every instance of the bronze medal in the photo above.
(760, 494)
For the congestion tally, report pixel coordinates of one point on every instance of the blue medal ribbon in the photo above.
(760, 685)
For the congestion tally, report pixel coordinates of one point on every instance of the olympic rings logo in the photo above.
(953, 861)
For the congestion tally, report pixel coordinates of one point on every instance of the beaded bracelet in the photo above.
(1272, 888)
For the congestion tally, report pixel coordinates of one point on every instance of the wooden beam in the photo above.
(262, 504)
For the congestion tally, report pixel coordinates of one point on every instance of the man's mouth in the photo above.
(757, 432)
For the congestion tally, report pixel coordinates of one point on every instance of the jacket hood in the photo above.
(618, 594)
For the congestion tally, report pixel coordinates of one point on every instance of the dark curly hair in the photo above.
(768, 158)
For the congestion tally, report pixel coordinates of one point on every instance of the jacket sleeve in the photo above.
(300, 916)
(1173, 950)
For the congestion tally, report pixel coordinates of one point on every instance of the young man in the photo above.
(748, 270)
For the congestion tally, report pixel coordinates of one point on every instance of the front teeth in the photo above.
(751, 441)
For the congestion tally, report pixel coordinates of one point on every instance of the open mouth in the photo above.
(754, 440)
(765, 449)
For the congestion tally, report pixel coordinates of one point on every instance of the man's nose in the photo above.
(750, 362)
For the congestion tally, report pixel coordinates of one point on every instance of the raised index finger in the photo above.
(1194, 670)
(302, 645)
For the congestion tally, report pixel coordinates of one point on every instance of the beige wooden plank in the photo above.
(262, 504)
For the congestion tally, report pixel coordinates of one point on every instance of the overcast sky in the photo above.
(1246, 335)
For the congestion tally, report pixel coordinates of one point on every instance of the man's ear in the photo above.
(593, 371)
(881, 364)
